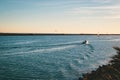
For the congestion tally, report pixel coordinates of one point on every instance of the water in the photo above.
(53, 57)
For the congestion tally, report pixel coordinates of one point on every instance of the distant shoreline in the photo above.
(42, 34)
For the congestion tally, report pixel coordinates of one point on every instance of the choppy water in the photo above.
(53, 57)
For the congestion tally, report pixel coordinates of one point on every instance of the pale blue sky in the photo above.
(60, 16)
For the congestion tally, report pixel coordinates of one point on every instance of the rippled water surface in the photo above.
(53, 57)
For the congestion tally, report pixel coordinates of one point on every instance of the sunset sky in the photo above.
(60, 16)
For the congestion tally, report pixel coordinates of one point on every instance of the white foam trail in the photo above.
(44, 50)
(54, 49)
(19, 53)
(67, 43)
(25, 42)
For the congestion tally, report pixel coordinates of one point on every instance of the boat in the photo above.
(85, 42)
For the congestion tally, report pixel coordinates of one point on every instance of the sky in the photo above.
(60, 16)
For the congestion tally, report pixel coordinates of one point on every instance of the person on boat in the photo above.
(85, 42)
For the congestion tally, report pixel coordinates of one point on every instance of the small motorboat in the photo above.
(85, 42)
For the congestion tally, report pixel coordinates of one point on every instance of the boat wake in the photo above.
(29, 49)
(44, 50)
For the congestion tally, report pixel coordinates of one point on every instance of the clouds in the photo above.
(111, 10)
(82, 8)
(63, 15)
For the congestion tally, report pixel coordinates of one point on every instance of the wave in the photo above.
(114, 40)
(42, 46)
(105, 40)
(73, 42)
(78, 61)
(44, 50)
(66, 43)
(24, 42)
(54, 49)
(71, 69)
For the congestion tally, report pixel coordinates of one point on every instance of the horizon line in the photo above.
(4, 34)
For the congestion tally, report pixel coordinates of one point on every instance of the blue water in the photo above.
(53, 57)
